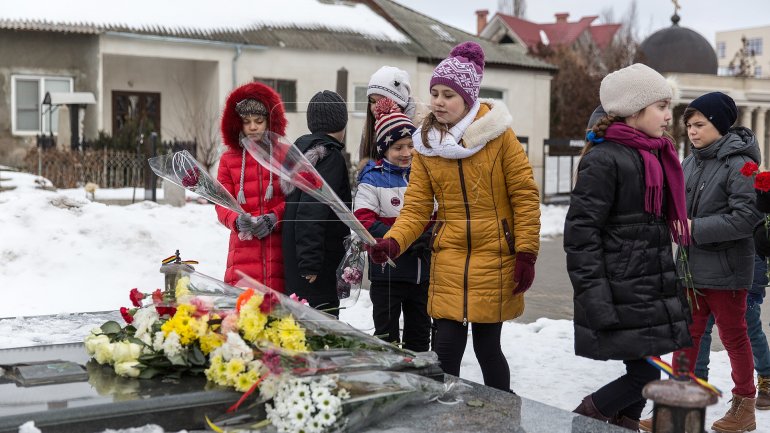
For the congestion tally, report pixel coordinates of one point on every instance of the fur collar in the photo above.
(490, 126)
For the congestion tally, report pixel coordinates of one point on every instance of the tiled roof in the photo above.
(427, 39)
(437, 39)
(559, 33)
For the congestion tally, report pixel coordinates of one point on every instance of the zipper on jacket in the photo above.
(419, 270)
(468, 240)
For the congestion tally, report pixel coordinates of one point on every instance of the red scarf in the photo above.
(654, 170)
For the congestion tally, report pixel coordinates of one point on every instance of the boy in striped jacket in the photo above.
(378, 201)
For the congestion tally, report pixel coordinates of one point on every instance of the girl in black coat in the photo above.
(627, 206)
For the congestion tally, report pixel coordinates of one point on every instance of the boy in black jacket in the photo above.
(312, 233)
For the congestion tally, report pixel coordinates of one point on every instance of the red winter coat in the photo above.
(262, 259)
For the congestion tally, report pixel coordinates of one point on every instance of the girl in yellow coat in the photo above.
(486, 237)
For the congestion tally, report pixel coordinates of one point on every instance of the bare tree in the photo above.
(200, 121)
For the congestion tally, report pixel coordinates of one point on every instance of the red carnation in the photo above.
(126, 315)
(749, 168)
(192, 177)
(157, 297)
(165, 310)
(136, 297)
(268, 302)
(310, 179)
(762, 181)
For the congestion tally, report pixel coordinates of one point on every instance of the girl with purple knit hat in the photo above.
(487, 232)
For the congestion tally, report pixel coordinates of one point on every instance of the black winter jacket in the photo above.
(721, 203)
(628, 300)
(313, 235)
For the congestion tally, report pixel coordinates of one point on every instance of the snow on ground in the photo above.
(62, 254)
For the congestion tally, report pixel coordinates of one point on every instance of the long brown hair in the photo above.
(599, 129)
(368, 147)
(429, 122)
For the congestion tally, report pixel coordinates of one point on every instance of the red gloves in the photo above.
(382, 250)
(524, 272)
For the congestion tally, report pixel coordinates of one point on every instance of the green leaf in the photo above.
(475, 403)
(196, 357)
(149, 373)
(111, 327)
(136, 341)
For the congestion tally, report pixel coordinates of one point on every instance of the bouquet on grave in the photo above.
(236, 337)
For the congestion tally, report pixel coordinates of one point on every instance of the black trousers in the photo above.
(449, 343)
(623, 396)
(389, 300)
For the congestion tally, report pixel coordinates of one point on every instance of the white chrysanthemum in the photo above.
(269, 386)
(157, 343)
(235, 347)
(172, 347)
(144, 318)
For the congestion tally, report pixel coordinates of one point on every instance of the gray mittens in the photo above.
(264, 225)
(255, 226)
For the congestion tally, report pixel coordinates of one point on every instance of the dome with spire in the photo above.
(678, 49)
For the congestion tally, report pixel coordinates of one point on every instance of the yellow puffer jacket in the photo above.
(489, 208)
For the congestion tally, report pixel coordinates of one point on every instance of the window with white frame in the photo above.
(721, 49)
(755, 46)
(28, 115)
(758, 72)
(360, 100)
(486, 92)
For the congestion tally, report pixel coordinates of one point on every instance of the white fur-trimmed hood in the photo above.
(480, 132)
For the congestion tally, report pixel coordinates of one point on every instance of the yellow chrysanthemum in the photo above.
(184, 324)
(246, 380)
(210, 341)
(290, 334)
(181, 287)
(216, 369)
(251, 321)
(233, 368)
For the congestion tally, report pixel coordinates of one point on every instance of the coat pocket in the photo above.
(434, 236)
(508, 236)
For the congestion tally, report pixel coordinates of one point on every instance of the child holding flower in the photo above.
(378, 201)
(255, 243)
(722, 216)
(469, 159)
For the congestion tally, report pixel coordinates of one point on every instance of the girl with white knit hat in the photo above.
(387, 82)
(627, 206)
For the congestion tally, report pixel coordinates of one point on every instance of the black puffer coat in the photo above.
(313, 235)
(721, 203)
(628, 300)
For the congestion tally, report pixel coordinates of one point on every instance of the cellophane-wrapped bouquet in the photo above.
(254, 340)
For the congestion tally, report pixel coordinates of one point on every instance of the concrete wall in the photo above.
(44, 53)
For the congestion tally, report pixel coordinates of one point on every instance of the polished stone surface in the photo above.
(107, 401)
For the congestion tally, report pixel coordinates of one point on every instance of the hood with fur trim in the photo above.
(231, 125)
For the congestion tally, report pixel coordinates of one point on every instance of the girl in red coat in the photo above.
(255, 239)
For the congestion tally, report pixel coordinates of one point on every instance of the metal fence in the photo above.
(560, 159)
(107, 168)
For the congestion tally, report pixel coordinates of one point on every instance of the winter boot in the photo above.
(588, 409)
(739, 418)
(625, 422)
(763, 392)
(645, 425)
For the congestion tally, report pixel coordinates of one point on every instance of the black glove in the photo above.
(420, 246)
(763, 201)
(761, 240)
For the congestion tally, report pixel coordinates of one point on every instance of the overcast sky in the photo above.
(704, 16)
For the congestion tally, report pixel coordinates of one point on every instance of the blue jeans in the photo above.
(759, 347)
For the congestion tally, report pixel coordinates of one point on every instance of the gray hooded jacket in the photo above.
(721, 205)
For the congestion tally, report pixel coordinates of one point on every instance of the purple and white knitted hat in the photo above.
(461, 71)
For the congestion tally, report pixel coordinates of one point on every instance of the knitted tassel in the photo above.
(241, 197)
(269, 190)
